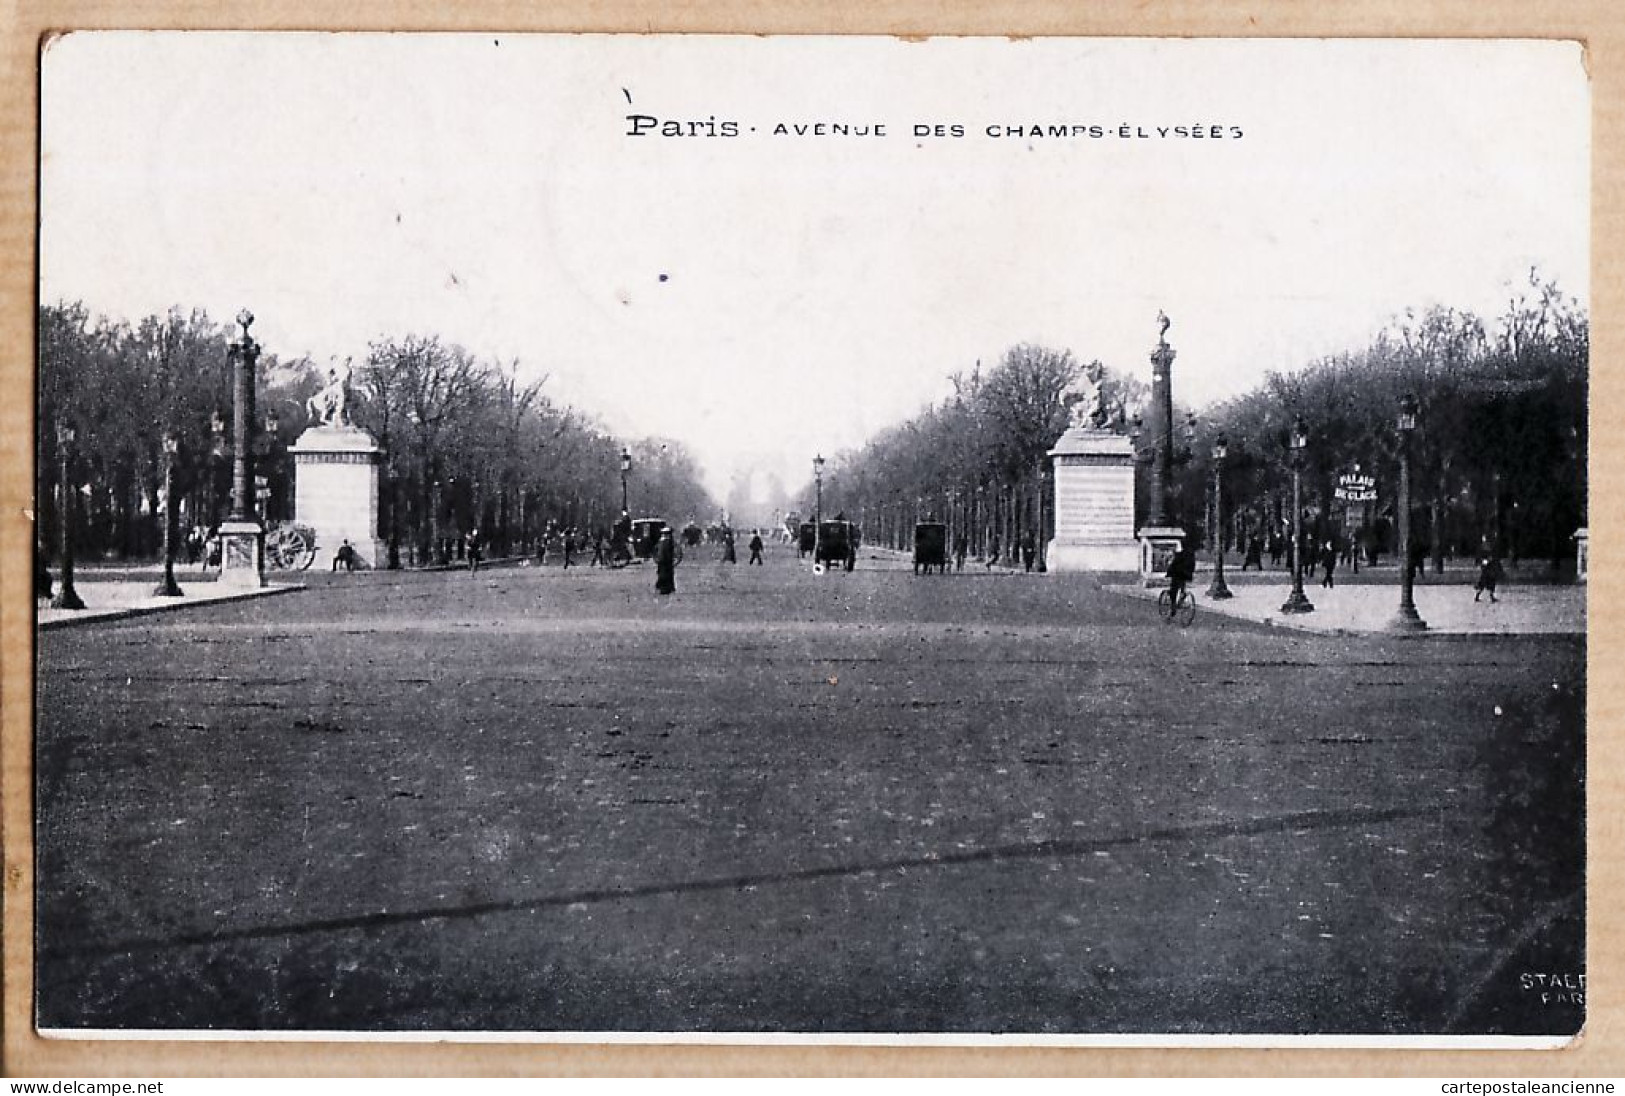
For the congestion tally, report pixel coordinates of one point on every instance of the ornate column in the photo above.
(1160, 539)
(242, 540)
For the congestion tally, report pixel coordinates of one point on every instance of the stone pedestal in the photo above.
(1094, 503)
(1158, 546)
(242, 554)
(336, 491)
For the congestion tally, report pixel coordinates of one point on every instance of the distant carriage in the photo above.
(836, 544)
(646, 533)
(931, 547)
(806, 538)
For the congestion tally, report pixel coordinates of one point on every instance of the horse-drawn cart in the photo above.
(646, 534)
(289, 546)
(931, 547)
(837, 545)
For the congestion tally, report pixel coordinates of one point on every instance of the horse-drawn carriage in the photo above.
(646, 533)
(806, 538)
(837, 545)
(931, 547)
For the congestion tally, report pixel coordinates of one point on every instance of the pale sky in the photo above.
(816, 289)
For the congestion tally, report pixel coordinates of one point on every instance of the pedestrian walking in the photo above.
(755, 548)
(1417, 561)
(993, 552)
(961, 546)
(598, 557)
(1255, 554)
(1328, 564)
(569, 547)
(666, 564)
(1029, 552)
(474, 549)
(728, 554)
(1489, 574)
(42, 573)
(1277, 549)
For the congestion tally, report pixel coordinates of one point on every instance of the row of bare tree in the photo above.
(467, 443)
(1498, 456)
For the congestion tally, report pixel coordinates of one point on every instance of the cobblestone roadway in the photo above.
(541, 800)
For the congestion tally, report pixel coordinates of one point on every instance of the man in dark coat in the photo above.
(666, 564)
(620, 538)
(1489, 574)
(344, 557)
(1419, 555)
(1255, 554)
(42, 573)
(755, 548)
(1181, 569)
(728, 555)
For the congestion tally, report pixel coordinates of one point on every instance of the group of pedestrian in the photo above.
(564, 542)
(203, 547)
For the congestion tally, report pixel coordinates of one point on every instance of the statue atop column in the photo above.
(1086, 398)
(331, 406)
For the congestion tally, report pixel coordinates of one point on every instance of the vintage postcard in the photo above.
(1069, 541)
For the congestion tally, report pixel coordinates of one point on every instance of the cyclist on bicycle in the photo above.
(1181, 569)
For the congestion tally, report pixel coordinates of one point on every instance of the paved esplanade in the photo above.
(533, 799)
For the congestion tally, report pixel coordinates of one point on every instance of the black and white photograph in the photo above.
(724, 538)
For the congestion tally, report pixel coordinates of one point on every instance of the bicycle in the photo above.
(1184, 612)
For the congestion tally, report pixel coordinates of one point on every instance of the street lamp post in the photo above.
(818, 479)
(626, 466)
(437, 550)
(1407, 619)
(1217, 590)
(273, 461)
(1296, 602)
(217, 460)
(168, 587)
(66, 596)
(1043, 539)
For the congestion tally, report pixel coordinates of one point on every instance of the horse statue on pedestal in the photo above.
(1085, 400)
(331, 406)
